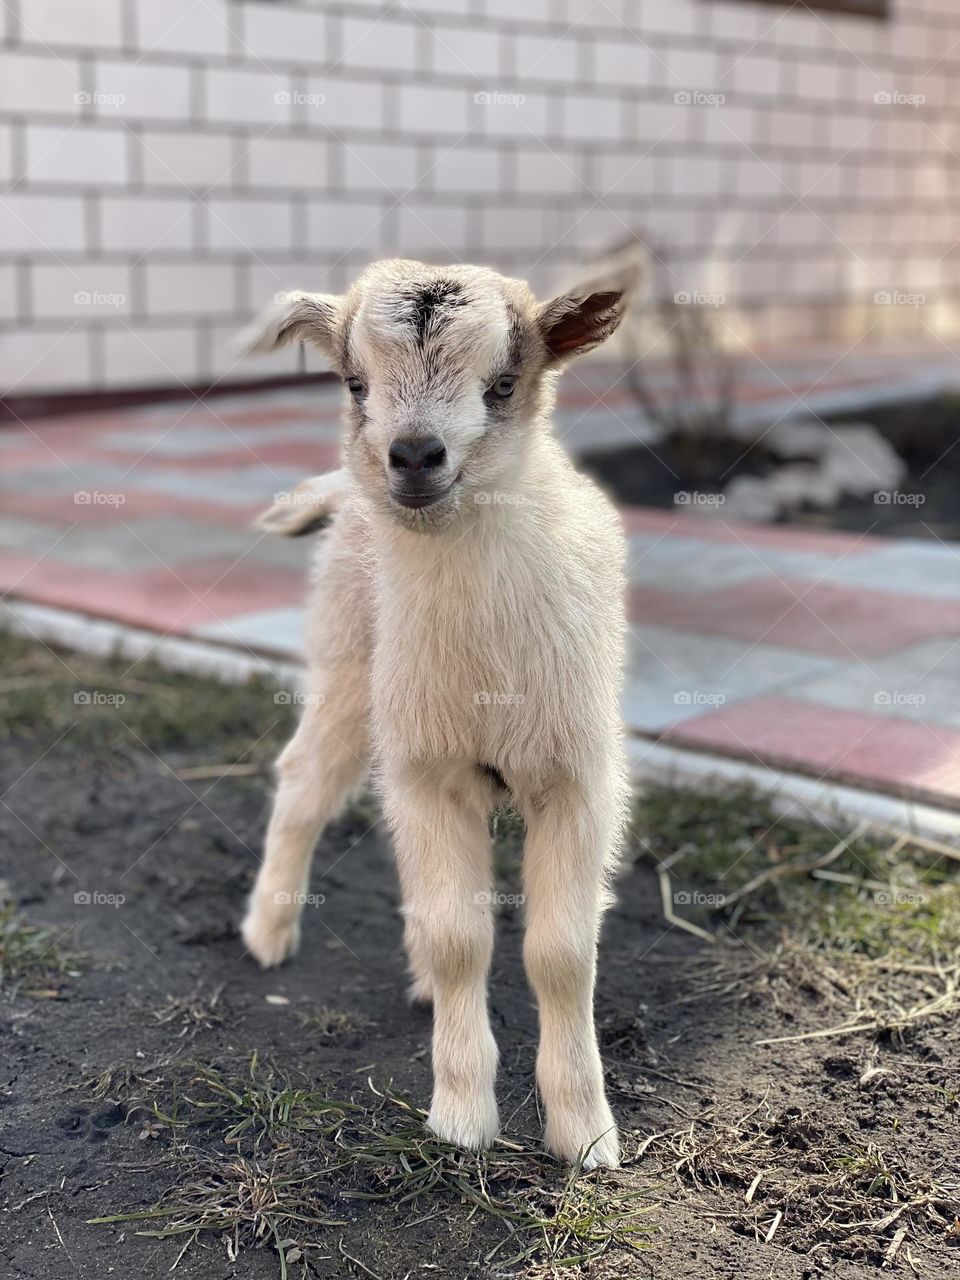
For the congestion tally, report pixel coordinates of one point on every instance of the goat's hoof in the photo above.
(271, 939)
(467, 1122)
(593, 1140)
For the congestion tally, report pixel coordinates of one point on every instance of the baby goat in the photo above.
(465, 636)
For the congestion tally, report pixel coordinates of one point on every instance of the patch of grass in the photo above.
(333, 1024)
(108, 707)
(270, 1163)
(31, 954)
(862, 919)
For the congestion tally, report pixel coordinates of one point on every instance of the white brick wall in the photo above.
(169, 165)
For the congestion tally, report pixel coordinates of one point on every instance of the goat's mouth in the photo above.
(415, 499)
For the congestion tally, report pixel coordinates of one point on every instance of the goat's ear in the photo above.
(586, 315)
(294, 316)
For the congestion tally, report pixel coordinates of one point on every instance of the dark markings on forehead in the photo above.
(516, 339)
(428, 308)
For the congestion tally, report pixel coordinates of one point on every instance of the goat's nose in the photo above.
(417, 453)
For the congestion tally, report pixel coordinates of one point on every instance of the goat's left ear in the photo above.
(583, 317)
(294, 316)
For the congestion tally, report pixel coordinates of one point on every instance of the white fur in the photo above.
(490, 635)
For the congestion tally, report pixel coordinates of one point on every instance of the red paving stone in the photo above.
(164, 600)
(837, 621)
(901, 756)
(60, 508)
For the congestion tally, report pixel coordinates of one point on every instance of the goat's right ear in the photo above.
(294, 316)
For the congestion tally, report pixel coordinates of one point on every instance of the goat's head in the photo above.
(449, 370)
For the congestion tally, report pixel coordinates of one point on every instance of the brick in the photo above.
(8, 291)
(93, 24)
(546, 58)
(335, 226)
(288, 162)
(247, 97)
(238, 225)
(466, 51)
(757, 74)
(533, 10)
(379, 44)
(195, 288)
(81, 291)
(146, 224)
(374, 166)
(552, 170)
(184, 26)
(6, 152)
(44, 360)
(512, 115)
(694, 69)
(465, 169)
(348, 104)
(77, 154)
(507, 226)
(432, 111)
(625, 174)
(622, 62)
(664, 122)
(39, 83)
(39, 224)
(195, 160)
(145, 92)
(285, 33)
(150, 355)
(672, 17)
(435, 231)
(589, 118)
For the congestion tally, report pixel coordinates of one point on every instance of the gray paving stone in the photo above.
(910, 565)
(919, 683)
(693, 565)
(280, 630)
(674, 675)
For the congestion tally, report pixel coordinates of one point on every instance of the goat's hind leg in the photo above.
(322, 765)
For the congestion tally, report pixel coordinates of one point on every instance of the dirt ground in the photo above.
(269, 1119)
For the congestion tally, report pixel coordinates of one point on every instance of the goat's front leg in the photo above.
(568, 847)
(442, 842)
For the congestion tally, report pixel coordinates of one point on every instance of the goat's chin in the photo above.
(434, 518)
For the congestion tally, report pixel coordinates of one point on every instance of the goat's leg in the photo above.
(324, 762)
(443, 855)
(568, 847)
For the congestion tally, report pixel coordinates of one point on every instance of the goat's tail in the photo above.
(306, 508)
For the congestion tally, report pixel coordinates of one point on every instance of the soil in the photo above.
(924, 433)
(182, 855)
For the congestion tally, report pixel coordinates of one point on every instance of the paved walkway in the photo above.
(832, 654)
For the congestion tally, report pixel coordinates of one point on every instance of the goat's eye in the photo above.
(355, 387)
(502, 389)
